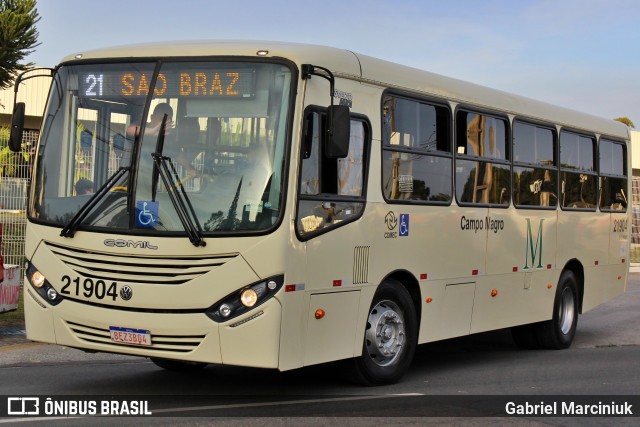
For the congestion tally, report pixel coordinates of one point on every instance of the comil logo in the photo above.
(533, 251)
(23, 406)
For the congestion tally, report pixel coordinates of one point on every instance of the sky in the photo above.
(580, 54)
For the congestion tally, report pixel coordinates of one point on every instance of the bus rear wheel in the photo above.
(178, 365)
(558, 332)
(390, 337)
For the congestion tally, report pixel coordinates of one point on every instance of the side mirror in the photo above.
(338, 132)
(17, 126)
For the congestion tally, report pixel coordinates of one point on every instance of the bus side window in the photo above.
(613, 176)
(535, 166)
(416, 157)
(578, 175)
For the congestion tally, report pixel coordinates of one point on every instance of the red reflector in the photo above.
(290, 288)
(623, 260)
(337, 283)
(548, 266)
(474, 273)
(596, 262)
(423, 276)
(515, 269)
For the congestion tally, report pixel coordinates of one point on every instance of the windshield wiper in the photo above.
(70, 229)
(188, 218)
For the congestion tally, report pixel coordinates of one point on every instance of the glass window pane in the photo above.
(310, 175)
(533, 144)
(480, 135)
(314, 215)
(613, 194)
(482, 182)
(578, 190)
(415, 125)
(350, 169)
(612, 159)
(534, 187)
(408, 176)
(576, 151)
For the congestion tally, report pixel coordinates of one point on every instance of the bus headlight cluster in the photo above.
(245, 299)
(42, 285)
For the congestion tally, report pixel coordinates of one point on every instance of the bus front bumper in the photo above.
(252, 339)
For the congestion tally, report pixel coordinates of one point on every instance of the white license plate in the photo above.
(130, 336)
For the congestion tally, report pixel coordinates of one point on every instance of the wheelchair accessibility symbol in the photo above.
(404, 225)
(146, 213)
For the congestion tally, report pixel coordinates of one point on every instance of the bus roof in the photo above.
(345, 63)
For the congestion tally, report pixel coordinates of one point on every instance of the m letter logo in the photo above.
(533, 250)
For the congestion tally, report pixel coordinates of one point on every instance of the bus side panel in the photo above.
(331, 336)
(521, 252)
(578, 232)
(618, 252)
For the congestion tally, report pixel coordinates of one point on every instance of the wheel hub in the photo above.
(385, 336)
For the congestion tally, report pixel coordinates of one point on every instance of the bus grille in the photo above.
(137, 269)
(171, 343)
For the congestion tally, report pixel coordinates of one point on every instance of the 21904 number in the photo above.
(88, 288)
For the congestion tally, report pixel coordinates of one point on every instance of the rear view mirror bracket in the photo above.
(17, 120)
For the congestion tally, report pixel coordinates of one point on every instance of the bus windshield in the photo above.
(219, 129)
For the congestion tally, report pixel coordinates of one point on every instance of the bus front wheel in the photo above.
(390, 337)
(558, 332)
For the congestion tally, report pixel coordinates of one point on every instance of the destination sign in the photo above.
(201, 83)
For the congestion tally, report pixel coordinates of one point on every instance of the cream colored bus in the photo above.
(281, 205)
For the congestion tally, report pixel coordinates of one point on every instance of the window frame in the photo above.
(625, 169)
(506, 162)
(529, 165)
(416, 151)
(576, 170)
(328, 197)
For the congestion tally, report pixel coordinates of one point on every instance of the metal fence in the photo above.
(635, 220)
(14, 183)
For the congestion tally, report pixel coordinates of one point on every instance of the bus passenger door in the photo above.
(330, 219)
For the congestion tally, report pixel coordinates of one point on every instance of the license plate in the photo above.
(130, 336)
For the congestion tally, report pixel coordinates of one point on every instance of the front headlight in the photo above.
(42, 286)
(245, 299)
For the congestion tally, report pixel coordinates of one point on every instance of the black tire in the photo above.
(558, 332)
(525, 336)
(390, 339)
(178, 365)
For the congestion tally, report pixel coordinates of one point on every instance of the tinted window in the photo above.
(533, 144)
(480, 135)
(535, 175)
(415, 125)
(576, 151)
(612, 158)
(417, 162)
(483, 173)
(613, 182)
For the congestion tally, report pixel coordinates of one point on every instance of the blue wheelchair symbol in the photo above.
(404, 225)
(146, 214)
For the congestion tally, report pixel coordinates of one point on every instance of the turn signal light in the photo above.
(320, 313)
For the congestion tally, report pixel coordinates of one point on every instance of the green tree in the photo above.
(18, 37)
(626, 120)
